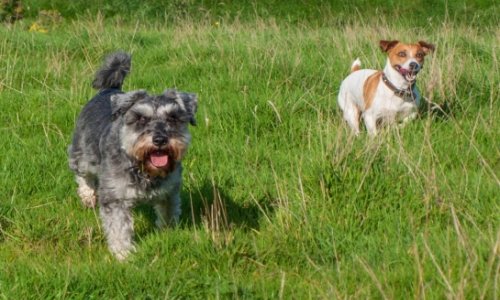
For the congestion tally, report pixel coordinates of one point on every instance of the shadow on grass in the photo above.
(5, 220)
(208, 205)
(441, 111)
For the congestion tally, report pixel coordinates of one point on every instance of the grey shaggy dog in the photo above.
(127, 148)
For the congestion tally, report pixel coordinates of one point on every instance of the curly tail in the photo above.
(113, 72)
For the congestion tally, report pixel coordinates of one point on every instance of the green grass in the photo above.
(279, 199)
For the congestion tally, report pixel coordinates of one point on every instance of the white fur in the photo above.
(167, 108)
(86, 191)
(144, 109)
(386, 106)
(356, 63)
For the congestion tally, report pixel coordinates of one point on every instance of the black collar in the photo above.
(406, 93)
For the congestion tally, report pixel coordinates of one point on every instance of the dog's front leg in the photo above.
(409, 117)
(86, 191)
(119, 227)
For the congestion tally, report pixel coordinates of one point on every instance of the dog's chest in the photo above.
(157, 194)
(388, 104)
(140, 189)
(152, 194)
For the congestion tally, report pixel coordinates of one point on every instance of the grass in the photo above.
(279, 199)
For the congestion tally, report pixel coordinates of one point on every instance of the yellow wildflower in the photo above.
(35, 27)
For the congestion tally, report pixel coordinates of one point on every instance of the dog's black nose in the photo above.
(159, 140)
(414, 66)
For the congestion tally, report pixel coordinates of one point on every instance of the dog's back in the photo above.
(95, 117)
(350, 95)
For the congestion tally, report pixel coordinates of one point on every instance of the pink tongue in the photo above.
(403, 71)
(159, 159)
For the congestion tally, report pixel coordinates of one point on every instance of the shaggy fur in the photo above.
(127, 148)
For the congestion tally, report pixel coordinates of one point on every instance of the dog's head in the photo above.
(154, 129)
(407, 59)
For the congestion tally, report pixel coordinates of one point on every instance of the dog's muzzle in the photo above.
(415, 67)
(159, 157)
(409, 74)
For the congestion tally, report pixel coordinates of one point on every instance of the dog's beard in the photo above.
(157, 161)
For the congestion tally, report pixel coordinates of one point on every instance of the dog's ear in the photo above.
(427, 47)
(188, 101)
(120, 103)
(191, 105)
(387, 45)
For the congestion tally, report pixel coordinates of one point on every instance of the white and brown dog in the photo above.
(385, 96)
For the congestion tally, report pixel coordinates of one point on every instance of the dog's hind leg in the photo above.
(167, 213)
(351, 114)
(352, 118)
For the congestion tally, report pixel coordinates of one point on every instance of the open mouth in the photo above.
(408, 75)
(159, 159)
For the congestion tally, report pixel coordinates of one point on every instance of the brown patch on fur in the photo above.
(427, 47)
(355, 68)
(400, 53)
(143, 148)
(140, 152)
(155, 172)
(177, 148)
(387, 45)
(369, 88)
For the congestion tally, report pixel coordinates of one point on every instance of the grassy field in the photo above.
(279, 199)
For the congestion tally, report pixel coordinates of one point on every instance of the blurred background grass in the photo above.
(318, 12)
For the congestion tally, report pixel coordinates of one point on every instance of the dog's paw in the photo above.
(122, 254)
(89, 201)
(88, 196)
(161, 223)
(407, 119)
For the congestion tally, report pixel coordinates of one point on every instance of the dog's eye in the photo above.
(173, 118)
(420, 54)
(142, 120)
(402, 54)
